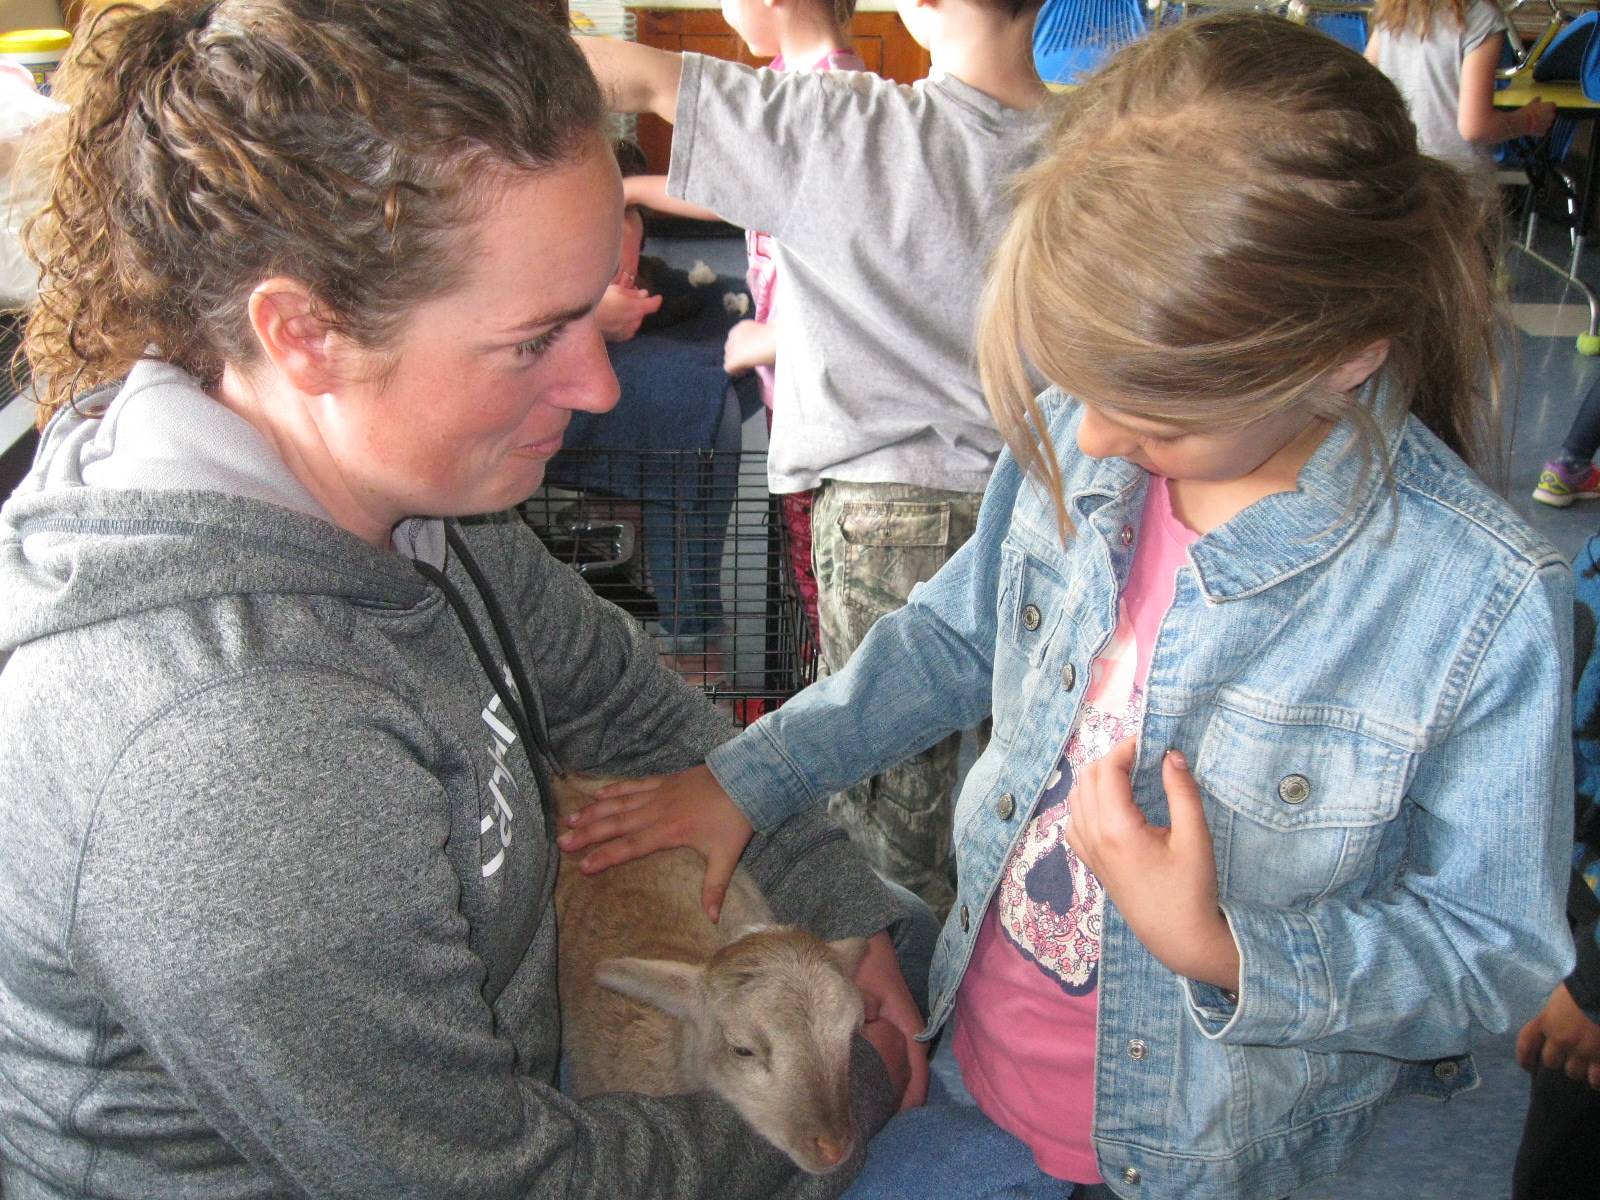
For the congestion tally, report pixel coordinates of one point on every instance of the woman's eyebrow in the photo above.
(553, 318)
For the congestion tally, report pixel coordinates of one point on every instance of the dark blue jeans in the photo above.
(949, 1149)
(1583, 438)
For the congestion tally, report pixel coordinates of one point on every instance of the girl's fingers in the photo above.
(600, 810)
(719, 873)
(620, 850)
(1186, 807)
(629, 787)
(603, 828)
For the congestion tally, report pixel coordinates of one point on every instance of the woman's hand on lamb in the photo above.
(889, 1003)
(635, 817)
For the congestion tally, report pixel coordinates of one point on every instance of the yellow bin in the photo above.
(37, 51)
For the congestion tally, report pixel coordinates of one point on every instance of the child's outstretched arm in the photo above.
(635, 78)
(650, 191)
(1477, 119)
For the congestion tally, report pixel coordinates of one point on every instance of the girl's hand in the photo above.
(888, 999)
(1163, 881)
(1562, 1038)
(635, 817)
(750, 344)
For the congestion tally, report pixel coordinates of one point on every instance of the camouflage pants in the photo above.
(870, 543)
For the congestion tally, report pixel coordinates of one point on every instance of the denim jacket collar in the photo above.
(1282, 534)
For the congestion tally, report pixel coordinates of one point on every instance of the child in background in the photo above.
(1571, 475)
(800, 35)
(1559, 1157)
(885, 202)
(1442, 55)
(1275, 816)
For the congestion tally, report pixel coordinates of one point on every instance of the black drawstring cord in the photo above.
(502, 631)
(534, 743)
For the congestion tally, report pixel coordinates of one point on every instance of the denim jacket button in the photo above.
(1069, 676)
(966, 919)
(1445, 1072)
(1030, 617)
(1294, 789)
(1137, 1049)
(1131, 1175)
(1127, 535)
(1005, 806)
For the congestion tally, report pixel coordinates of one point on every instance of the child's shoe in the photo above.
(1560, 485)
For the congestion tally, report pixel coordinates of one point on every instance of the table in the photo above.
(1570, 102)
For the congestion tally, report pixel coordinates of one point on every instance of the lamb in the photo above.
(657, 999)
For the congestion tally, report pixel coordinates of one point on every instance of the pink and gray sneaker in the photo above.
(1560, 485)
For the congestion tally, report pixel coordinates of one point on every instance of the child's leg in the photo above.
(1560, 1152)
(1583, 438)
(871, 544)
(684, 537)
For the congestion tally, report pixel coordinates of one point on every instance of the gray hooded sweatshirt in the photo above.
(275, 911)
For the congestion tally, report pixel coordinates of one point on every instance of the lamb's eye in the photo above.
(744, 1051)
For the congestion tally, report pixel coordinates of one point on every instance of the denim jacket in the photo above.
(1370, 679)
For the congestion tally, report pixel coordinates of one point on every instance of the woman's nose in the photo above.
(592, 386)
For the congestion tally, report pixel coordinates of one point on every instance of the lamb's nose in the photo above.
(832, 1151)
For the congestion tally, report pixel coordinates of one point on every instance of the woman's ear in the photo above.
(302, 345)
(1355, 371)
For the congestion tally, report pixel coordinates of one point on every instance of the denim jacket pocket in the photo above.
(1296, 809)
(1028, 609)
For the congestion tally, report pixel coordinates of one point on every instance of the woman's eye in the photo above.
(534, 347)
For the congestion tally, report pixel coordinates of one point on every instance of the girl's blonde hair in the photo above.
(212, 144)
(1417, 16)
(1225, 213)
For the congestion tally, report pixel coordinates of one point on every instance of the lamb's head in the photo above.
(766, 1025)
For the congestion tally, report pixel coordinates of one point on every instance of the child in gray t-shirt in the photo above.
(885, 201)
(1442, 55)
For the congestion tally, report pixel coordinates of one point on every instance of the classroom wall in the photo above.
(29, 14)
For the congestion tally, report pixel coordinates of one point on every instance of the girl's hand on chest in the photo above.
(1162, 880)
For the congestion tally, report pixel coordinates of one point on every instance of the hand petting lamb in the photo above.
(657, 999)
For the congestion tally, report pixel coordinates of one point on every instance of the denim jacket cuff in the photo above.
(760, 778)
(1285, 989)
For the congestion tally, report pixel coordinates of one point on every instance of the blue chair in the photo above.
(1073, 37)
(1350, 28)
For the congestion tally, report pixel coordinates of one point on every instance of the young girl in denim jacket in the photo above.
(1275, 817)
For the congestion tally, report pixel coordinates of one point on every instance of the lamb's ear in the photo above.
(848, 953)
(673, 987)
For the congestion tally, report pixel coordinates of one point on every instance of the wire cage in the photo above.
(691, 544)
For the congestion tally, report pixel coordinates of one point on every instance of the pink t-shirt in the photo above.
(763, 271)
(1025, 1019)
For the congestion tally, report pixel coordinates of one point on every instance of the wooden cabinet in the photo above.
(879, 37)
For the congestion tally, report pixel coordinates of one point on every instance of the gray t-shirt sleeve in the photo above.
(1483, 22)
(743, 140)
